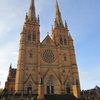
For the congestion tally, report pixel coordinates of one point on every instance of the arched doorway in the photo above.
(68, 90)
(29, 89)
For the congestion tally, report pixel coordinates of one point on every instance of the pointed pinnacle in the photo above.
(10, 66)
(31, 3)
(58, 19)
(31, 13)
(57, 5)
(38, 18)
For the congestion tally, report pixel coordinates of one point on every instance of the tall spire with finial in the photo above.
(58, 19)
(31, 13)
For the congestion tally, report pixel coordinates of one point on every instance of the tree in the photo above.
(1, 91)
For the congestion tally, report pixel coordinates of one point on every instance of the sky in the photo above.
(83, 18)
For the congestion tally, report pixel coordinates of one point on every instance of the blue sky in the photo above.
(83, 18)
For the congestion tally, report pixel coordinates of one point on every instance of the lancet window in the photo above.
(30, 54)
(61, 40)
(64, 57)
(34, 37)
(68, 89)
(29, 36)
(65, 41)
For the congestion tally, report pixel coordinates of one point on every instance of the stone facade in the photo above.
(51, 62)
(91, 94)
(10, 84)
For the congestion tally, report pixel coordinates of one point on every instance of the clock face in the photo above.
(48, 56)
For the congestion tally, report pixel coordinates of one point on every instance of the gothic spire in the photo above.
(31, 14)
(58, 19)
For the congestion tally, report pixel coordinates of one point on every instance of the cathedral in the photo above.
(44, 68)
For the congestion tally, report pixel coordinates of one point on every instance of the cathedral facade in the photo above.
(47, 67)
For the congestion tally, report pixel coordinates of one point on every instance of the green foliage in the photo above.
(1, 91)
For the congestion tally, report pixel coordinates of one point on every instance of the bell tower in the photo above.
(60, 31)
(31, 24)
(64, 42)
(29, 39)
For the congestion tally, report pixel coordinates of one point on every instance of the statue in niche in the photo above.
(76, 81)
(41, 80)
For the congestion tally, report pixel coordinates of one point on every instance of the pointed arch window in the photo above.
(52, 89)
(61, 40)
(76, 81)
(65, 41)
(30, 54)
(34, 37)
(29, 36)
(65, 57)
(48, 89)
(68, 89)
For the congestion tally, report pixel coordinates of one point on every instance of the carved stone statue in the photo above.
(41, 81)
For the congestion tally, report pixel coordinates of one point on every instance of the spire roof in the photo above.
(31, 13)
(58, 19)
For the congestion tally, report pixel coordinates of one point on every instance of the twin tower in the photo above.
(47, 67)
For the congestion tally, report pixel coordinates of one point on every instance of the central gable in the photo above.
(48, 41)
